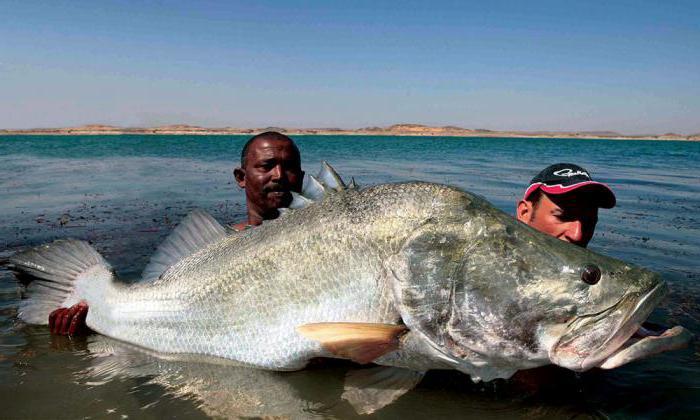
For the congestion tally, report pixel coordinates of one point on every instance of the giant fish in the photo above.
(414, 276)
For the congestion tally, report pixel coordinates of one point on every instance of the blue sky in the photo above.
(630, 66)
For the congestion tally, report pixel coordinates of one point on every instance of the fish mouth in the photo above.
(646, 343)
(592, 339)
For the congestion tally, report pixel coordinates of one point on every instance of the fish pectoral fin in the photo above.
(359, 342)
(369, 390)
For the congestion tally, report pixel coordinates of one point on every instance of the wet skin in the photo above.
(272, 170)
(570, 217)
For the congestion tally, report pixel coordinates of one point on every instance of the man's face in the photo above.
(570, 217)
(272, 169)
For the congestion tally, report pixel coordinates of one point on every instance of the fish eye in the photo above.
(590, 274)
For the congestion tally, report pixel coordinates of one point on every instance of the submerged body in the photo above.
(471, 288)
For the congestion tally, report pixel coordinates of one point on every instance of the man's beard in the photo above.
(277, 195)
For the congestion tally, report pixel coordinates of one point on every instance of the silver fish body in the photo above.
(243, 297)
(476, 290)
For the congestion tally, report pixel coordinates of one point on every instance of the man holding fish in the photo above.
(270, 170)
(412, 276)
(561, 201)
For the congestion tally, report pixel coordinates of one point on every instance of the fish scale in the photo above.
(243, 299)
(451, 282)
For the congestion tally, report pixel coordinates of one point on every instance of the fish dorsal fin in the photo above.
(352, 185)
(330, 178)
(316, 187)
(195, 232)
(299, 201)
(313, 189)
(357, 341)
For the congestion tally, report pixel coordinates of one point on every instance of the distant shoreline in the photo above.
(394, 130)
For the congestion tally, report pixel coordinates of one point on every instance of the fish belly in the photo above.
(216, 306)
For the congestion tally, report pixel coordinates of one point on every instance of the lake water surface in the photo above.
(125, 193)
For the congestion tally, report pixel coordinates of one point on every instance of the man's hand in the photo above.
(69, 321)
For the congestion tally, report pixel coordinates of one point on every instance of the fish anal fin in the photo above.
(369, 390)
(359, 342)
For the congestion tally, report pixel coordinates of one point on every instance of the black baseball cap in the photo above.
(562, 178)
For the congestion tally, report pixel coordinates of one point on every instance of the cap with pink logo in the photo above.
(562, 178)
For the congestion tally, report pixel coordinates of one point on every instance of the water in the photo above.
(125, 193)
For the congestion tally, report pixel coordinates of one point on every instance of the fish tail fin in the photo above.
(59, 274)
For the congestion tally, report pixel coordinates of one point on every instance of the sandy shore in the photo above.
(394, 130)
